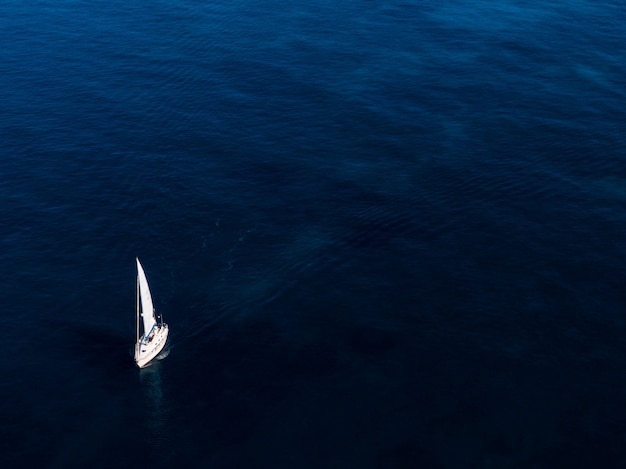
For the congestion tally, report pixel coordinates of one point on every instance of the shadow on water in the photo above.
(90, 344)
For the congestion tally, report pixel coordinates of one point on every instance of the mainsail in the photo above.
(147, 309)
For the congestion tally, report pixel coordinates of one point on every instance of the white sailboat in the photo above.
(151, 335)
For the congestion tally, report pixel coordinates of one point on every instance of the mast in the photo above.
(137, 309)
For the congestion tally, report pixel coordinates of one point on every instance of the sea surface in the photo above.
(383, 234)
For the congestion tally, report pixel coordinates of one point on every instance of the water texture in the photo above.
(384, 235)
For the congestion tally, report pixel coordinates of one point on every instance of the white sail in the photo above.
(147, 309)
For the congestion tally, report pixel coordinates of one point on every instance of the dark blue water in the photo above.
(384, 235)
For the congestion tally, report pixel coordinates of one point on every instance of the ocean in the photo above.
(383, 234)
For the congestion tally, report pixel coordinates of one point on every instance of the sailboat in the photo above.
(151, 335)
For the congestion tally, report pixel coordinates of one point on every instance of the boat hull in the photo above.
(146, 351)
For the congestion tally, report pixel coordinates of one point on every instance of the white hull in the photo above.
(146, 350)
